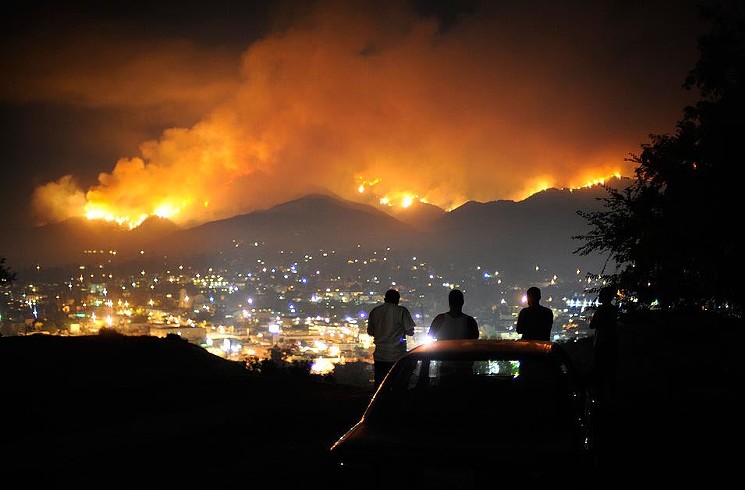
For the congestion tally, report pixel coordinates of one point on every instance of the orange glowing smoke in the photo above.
(379, 110)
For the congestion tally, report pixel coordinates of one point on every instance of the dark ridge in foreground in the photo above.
(147, 412)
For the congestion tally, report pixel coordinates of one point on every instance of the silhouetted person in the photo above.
(454, 324)
(389, 324)
(605, 359)
(534, 321)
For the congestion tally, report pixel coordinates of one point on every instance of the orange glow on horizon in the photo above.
(393, 199)
(602, 180)
(122, 218)
(581, 183)
(166, 211)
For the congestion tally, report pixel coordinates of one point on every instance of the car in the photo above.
(477, 413)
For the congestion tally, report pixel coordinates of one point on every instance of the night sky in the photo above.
(203, 110)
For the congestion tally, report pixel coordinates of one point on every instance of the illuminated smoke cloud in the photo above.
(371, 106)
(59, 200)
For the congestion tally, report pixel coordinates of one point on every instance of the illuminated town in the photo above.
(311, 307)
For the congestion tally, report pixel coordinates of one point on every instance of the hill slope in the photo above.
(146, 412)
(502, 234)
(150, 412)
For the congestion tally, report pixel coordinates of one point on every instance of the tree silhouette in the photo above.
(6, 275)
(673, 232)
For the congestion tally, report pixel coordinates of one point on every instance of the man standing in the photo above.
(603, 322)
(389, 324)
(454, 324)
(534, 322)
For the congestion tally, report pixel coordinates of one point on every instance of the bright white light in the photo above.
(321, 366)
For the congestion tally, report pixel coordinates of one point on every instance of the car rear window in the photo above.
(434, 390)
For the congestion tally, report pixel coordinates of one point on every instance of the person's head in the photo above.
(456, 300)
(534, 295)
(392, 296)
(607, 294)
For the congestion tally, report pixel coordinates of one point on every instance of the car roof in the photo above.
(485, 347)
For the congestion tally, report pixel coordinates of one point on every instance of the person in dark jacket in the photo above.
(603, 323)
(454, 324)
(534, 322)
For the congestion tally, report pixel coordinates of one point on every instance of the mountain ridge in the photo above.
(538, 228)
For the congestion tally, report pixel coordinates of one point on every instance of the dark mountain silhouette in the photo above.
(313, 222)
(69, 241)
(516, 236)
(505, 235)
(154, 227)
(420, 215)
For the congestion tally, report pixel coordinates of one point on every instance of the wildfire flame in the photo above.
(393, 198)
(318, 107)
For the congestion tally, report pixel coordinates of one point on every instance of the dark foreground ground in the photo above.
(143, 412)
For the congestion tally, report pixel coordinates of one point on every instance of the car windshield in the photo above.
(532, 390)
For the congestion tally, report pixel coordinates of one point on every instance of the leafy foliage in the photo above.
(357, 373)
(277, 365)
(673, 232)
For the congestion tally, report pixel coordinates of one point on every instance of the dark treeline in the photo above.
(673, 232)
